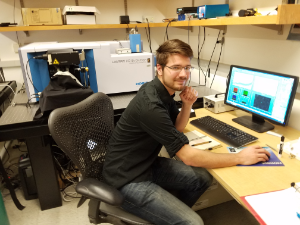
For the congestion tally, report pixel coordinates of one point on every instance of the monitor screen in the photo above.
(265, 94)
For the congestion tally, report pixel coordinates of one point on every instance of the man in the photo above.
(152, 120)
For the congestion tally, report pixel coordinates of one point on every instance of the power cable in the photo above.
(28, 75)
(217, 65)
(198, 59)
(189, 30)
(2, 74)
(208, 67)
(15, 21)
(148, 37)
(169, 22)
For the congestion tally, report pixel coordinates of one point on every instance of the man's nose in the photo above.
(183, 73)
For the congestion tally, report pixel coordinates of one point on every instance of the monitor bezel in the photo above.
(292, 96)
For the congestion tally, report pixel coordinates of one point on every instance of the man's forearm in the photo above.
(198, 158)
(183, 117)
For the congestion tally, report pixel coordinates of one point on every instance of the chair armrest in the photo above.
(95, 189)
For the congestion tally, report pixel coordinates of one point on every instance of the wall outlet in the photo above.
(150, 19)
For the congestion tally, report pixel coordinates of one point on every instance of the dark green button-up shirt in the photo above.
(146, 125)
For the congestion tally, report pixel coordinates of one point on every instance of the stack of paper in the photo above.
(196, 137)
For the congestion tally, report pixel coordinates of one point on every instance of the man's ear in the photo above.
(159, 69)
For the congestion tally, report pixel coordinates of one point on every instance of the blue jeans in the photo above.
(151, 201)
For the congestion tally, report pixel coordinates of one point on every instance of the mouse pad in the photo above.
(273, 161)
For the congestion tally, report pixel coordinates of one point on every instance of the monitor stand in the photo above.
(255, 123)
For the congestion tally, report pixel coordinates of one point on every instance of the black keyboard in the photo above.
(223, 132)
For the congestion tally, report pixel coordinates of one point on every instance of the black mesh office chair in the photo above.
(82, 131)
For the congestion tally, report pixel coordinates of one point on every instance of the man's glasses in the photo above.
(178, 69)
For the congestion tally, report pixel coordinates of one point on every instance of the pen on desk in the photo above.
(271, 147)
(281, 146)
(202, 143)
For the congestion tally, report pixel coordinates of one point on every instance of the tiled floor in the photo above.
(32, 215)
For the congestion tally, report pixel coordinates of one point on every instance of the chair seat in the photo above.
(122, 214)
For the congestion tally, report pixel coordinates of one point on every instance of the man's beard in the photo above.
(172, 86)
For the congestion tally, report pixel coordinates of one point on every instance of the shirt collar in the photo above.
(164, 94)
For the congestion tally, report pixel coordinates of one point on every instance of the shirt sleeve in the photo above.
(157, 122)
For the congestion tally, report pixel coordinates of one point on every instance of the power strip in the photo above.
(123, 50)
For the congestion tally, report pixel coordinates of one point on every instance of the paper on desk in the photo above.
(196, 137)
(277, 208)
(292, 147)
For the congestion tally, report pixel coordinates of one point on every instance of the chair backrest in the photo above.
(82, 131)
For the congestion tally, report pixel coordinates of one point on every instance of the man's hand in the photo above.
(252, 155)
(188, 96)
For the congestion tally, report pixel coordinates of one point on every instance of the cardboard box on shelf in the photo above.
(214, 195)
(41, 16)
(80, 14)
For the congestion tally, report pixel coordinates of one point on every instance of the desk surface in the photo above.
(243, 181)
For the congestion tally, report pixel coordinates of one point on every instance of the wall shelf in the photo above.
(287, 14)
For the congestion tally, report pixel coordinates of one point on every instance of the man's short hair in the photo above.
(172, 47)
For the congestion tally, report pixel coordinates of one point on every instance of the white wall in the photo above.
(247, 45)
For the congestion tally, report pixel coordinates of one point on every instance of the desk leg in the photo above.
(43, 168)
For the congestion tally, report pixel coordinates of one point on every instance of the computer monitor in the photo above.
(267, 95)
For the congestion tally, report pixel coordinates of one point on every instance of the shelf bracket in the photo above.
(186, 28)
(80, 31)
(278, 28)
(27, 33)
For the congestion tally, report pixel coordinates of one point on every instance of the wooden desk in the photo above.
(242, 181)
